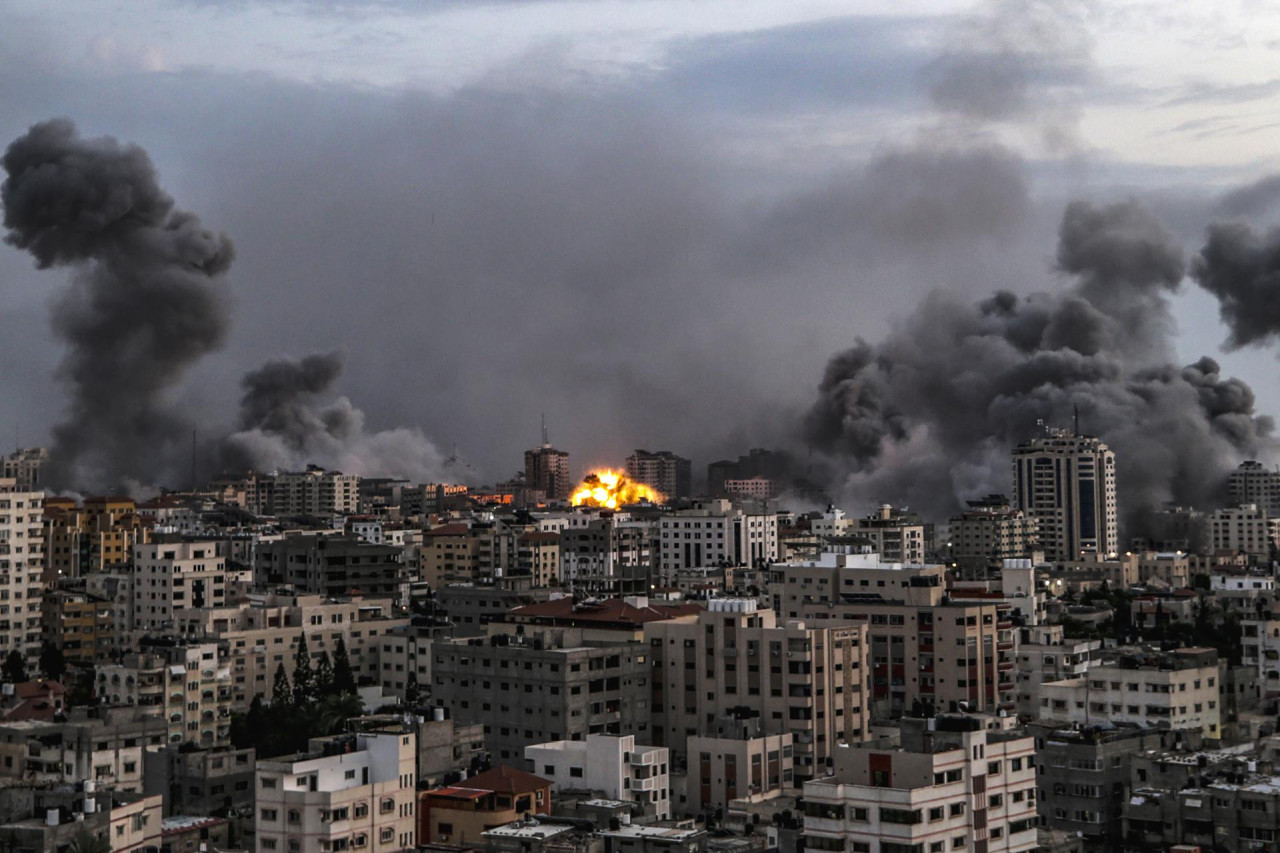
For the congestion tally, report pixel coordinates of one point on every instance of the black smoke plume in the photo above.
(1242, 269)
(146, 300)
(285, 423)
(927, 417)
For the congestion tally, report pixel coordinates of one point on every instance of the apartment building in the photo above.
(461, 814)
(22, 567)
(80, 623)
(662, 470)
(606, 556)
(804, 679)
(255, 638)
(346, 792)
(1261, 649)
(538, 556)
(199, 781)
(715, 532)
(186, 686)
(1044, 656)
(613, 765)
(923, 653)
(95, 537)
(314, 491)
(949, 784)
(1253, 483)
(1067, 482)
(547, 470)
(332, 565)
(989, 532)
(1245, 529)
(1084, 776)
(1178, 689)
(169, 576)
(25, 468)
(106, 748)
(546, 684)
(737, 764)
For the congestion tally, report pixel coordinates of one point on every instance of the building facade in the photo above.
(1067, 483)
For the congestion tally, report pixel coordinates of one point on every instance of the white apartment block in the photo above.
(611, 764)
(952, 785)
(1046, 656)
(346, 793)
(22, 554)
(1178, 689)
(714, 532)
(315, 492)
(169, 576)
(1243, 530)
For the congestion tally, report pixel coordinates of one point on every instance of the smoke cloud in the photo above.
(1242, 269)
(927, 417)
(285, 424)
(146, 300)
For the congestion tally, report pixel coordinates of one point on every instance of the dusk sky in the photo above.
(653, 221)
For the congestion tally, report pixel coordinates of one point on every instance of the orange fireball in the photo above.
(610, 489)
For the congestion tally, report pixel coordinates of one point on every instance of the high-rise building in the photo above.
(1251, 483)
(21, 569)
(1067, 482)
(989, 532)
(24, 467)
(547, 470)
(662, 470)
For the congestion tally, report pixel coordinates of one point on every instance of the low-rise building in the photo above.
(612, 765)
(949, 783)
(460, 814)
(346, 792)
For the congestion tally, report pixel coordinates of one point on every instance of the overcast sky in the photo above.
(654, 221)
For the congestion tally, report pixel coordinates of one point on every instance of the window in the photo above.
(267, 781)
(387, 833)
(575, 772)
(295, 816)
(269, 814)
(387, 806)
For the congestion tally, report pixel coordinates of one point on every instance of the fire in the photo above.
(611, 489)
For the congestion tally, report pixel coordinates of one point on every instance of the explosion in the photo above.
(610, 489)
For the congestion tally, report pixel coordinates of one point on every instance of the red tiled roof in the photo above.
(507, 780)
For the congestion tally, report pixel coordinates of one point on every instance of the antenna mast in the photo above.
(545, 443)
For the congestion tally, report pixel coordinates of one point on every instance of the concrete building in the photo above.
(738, 766)
(662, 470)
(98, 536)
(1045, 656)
(22, 567)
(1178, 689)
(200, 781)
(547, 470)
(897, 536)
(1244, 529)
(80, 623)
(751, 488)
(314, 491)
(713, 533)
(950, 783)
(1084, 776)
(637, 838)
(185, 686)
(1260, 642)
(255, 638)
(924, 653)
(460, 814)
(346, 792)
(169, 576)
(607, 556)
(444, 748)
(25, 468)
(989, 532)
(538, 556)
(611, 764)
(332, 565)
(804, 679)
(1067, 482)
(546, 684)
(1252, 483)
(106, 748)
(472, 606)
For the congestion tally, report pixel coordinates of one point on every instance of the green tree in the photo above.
(52, 662)
(344, 680)
(412, 693)
(304, 681)
(14, 669)
(324, 675)
(281, 696)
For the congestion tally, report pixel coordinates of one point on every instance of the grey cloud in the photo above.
(1242, 269)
